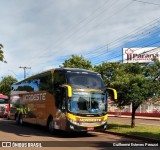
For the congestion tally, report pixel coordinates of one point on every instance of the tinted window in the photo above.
(24, 86)
(82, 80)
(45, 82)
(42, 82)
(59, 79)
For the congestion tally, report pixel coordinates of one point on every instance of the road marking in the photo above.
(149, 124)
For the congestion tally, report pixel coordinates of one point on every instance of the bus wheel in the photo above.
(8, 118)
(17, 119)
(21, 120)
(84, 133)
(51, 125)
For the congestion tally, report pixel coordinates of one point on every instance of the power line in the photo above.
(87, 32)
(78, 25)
(124, 37)
(118, 11)
(100, 54)
(153, 22)
(135, 45)
(138, 49)
(73, 33)
(115, 13)
(146, 2)
(130, 33)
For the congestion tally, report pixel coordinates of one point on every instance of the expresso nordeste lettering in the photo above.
(40, 96)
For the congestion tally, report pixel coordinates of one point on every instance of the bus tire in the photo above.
(84, 132)
(50, 125)
(8, 118)
(17, 119)
(21, 120)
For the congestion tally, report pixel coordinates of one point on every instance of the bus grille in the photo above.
(90, 124)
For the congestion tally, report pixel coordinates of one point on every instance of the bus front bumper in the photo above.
(72, 127)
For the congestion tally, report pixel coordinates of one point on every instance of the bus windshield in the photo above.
(87, 102)
(85, 80)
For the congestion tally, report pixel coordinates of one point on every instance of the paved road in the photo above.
(139, 121)
(9, 131)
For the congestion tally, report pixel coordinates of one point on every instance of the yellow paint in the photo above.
(71, 116)
(69, 90)
(114, 92)
(76, 118)
(105, 117)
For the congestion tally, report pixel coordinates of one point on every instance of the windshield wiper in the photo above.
(79, 86)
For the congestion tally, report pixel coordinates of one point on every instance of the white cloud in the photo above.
(44, 33)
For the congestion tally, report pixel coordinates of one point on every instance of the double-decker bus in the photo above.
(4, 105)
(62, 98)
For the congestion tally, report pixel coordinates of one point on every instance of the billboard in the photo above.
(140, 55)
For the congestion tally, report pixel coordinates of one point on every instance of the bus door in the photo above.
(60, 119)
(29, 114)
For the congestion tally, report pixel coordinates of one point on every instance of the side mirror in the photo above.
(69, 90)
(112, 93)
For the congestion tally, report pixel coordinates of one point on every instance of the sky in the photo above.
(42, 34)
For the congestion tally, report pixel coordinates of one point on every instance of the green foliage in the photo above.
(135, 83)
(150, 132)
(5, 84)
(77, 62)
(1, 54)
(107, 71)
(153, 72)
(132, 85)
(129, 80)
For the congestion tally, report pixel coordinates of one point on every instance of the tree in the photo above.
(107, 71)
(153, 72)
(131, 83)
(1, 54)
(77, 62)
(5, 84)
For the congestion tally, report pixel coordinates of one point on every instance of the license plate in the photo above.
(90, 129)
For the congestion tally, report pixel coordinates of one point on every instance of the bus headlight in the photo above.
(103, 122)
(73, 121)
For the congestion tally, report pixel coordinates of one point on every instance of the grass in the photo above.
(151, 132)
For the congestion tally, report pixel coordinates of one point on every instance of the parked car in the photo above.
(4, 105)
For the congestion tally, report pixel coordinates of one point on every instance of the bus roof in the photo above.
(61, 69)
(74, 70)
(3, 96)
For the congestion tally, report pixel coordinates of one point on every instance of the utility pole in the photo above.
(24, 68)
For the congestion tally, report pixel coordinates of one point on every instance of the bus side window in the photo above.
(59, 97)
(25, 86)
(45, 83)
(59, 79)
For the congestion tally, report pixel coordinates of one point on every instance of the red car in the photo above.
(4, 105)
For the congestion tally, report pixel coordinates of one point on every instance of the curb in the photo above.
(133, 136)
(136, 117)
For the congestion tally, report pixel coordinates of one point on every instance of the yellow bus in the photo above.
(68, 99)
